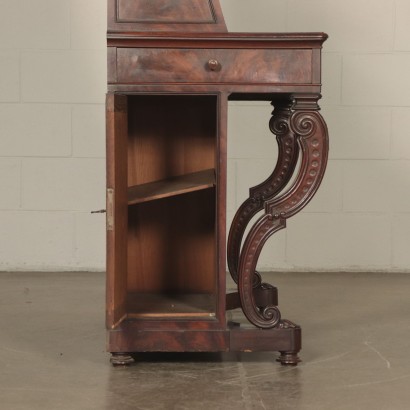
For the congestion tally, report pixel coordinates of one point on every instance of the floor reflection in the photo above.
(202, 381)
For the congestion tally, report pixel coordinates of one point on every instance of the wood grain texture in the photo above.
(242, 41)
(165, 16)
(164, 11)
(255, 340)
(170, 136)
(312, 136)
(179, 185)
(288, 153)
(221, 192)
(130, 340)
(172, 245)
(179, 305)
(191, 66)
(166, 253)
(116, 290)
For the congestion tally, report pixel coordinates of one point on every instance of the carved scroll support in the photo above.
(310, 132)
(288, 152)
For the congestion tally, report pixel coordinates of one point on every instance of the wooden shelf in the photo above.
(148, 305)
(172, 186)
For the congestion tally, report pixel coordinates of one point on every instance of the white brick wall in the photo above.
(9, 79)
(52, 134)
(360, 218)
(52, 142)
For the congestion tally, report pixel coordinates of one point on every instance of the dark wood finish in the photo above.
(163, 11)
(185, 305)
(171, 70)
(288, 153)
(172, 244)
(165, 188)
(164, 340)
(221, 190)
(116, 208)
(165, 15)
(170, 65)
(121, 359)
(170, 135)
(172, 55)
(286, 339)
(287, 122)
(264, 295)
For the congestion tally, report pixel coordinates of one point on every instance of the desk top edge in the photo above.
(217, 40)
(296, 36)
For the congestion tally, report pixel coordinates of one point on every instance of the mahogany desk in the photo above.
(169, 82)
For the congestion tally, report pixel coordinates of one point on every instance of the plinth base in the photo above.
(285, 338)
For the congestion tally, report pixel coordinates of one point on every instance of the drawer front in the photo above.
(257, 66)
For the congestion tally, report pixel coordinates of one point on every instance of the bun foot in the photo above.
(288, 359)
(121, 359)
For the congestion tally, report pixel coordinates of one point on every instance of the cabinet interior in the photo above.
(171, 234)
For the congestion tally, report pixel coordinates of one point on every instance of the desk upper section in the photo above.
(232, 62)
(133, 16)
(183, 46)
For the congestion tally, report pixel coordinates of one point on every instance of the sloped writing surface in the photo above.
(139, 16)
(165, 11)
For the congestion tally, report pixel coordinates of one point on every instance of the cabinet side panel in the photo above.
(221, 202)
(112, 64)
(116, 122)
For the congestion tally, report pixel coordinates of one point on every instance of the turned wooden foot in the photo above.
(288, 358)
(121, 359)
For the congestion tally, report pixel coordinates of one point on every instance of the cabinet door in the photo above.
(117, 130)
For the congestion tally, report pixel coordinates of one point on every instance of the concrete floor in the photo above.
(356, 350)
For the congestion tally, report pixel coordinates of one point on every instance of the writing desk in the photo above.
(172, 68)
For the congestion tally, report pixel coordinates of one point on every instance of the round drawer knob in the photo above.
(214, 65)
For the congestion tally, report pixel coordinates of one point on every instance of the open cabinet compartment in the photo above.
(171, 256)
(166, 249)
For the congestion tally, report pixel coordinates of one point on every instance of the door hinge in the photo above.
(110, 209)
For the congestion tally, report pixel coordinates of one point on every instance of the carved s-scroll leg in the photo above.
(288, 152)
(243, 216)
(311, 131)
(309, 126)
(268, 316)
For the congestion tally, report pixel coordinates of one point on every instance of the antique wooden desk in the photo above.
(172, 68)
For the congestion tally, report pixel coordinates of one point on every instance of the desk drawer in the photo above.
(258, 66)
